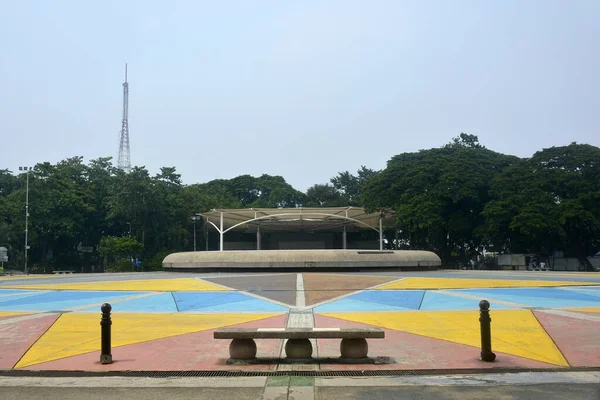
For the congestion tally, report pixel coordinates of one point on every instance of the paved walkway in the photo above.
(166, 321)
(542, 386)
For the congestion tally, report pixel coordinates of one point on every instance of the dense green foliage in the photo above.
(439, 195)
(453, 200)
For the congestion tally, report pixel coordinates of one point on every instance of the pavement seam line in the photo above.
(39, 337)
(422, 298)
(175, 301)
(551, 338)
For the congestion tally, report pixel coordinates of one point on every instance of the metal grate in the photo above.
(231, 374)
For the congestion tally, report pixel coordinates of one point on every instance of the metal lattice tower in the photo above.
(124, 161)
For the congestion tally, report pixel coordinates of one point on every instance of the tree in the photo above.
(323, 195)
(7, 184)
(264, 191)
(57, 207)
(465, 140)
(349, 186)
(438, 196)
(114, 249)
(548, 202)
(275, 192)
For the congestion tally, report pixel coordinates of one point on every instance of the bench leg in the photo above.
(242, 349)
(298, 348)
(354, 348)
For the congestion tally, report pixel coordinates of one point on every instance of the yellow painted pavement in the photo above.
(457, 283)
(515, 332)
(150, 285)
(19, 277)
(74, 334)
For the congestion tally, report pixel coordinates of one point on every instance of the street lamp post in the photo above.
(26, 169)
(195, 217)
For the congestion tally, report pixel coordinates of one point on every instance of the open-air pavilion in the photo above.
(298, 228)
(283, 238)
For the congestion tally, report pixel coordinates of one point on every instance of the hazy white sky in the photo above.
(302, 89)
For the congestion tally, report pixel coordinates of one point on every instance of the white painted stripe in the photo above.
(300, 296)
(583, 316)
(138, 296)
(25, 293)
(39, 314)
(25, 318)
(491, 300)
(581, 289)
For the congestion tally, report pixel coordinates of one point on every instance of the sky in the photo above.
(301, 89)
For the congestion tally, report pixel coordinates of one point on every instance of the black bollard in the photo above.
(486, 331)
(105, 323)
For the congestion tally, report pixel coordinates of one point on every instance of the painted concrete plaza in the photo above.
(165, 321)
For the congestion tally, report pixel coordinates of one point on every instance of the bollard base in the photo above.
(106, 359)
(489, 357)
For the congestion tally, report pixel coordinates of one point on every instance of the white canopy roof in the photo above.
(300, 219)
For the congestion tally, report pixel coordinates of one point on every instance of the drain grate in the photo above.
(233, 374)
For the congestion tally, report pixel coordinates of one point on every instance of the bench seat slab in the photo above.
(299, 333)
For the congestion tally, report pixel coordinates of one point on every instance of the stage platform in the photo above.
(302, 260)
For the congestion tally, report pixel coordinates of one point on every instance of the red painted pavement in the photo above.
(585, 313)
(577, 339)
(192, 351)
(2, 318)
(17, 337)
(410, 351)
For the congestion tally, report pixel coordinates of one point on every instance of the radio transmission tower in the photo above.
(124, 161)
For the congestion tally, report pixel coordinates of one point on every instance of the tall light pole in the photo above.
(26, 169)
(195, 217)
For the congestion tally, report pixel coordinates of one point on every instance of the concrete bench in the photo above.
(62, 272)
(298, 346)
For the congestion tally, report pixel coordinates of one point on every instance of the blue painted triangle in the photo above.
(409, 299)
(252, 305)
(349, 304)
(159, 303)
(535, 299)
(434, 300)
(591, 291)
(195, 300)
(62, 300)
(19, 296)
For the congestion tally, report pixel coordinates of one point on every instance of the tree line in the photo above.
(454, 200)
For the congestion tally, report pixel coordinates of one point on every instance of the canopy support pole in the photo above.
(381, 233)
(221, 234)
